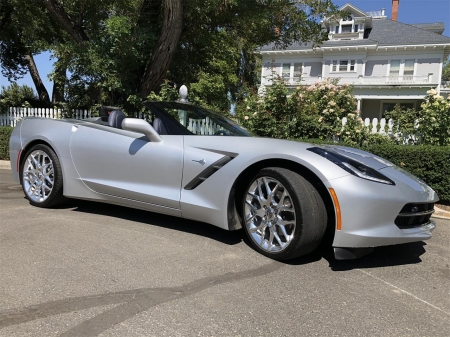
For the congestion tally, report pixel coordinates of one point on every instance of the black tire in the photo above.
(309, 216)
(55, 197)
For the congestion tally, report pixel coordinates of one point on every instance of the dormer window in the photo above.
(346, 28)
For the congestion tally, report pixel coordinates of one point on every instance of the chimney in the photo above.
(395, 10)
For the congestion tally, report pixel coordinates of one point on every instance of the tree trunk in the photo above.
(165, 48)
(59, 81)
(40, 88)
(59, 15)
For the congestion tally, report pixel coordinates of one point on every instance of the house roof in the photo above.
(435, 27)
(380, 32)
(388, 32)
(384, 32)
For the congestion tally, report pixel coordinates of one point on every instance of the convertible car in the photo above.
(188, 162)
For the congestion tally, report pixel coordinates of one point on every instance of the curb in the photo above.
(5, 165)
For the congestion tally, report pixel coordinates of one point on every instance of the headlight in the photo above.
(352, 166)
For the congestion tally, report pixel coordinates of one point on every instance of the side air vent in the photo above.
(209, 171)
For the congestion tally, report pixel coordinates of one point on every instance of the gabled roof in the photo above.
(348, 7)
(384, 32)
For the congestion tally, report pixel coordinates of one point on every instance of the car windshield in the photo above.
(196, 120)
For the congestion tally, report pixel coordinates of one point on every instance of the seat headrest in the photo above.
(115, 119)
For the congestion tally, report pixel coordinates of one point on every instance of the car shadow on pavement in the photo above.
(156, 219)
(396, 255)
(386, 256)
(403, 254)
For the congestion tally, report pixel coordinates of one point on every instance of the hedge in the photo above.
(5, 133)
(429, 163)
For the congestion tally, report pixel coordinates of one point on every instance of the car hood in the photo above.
(363, 157)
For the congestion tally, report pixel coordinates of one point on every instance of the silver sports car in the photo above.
(286, 195)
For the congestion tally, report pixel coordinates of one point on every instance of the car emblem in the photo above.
(202, 161)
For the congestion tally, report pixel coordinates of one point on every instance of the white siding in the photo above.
(376, 68)
(428, 66)
(269, 67)
(312, 69)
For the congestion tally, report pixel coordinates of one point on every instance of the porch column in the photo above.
(358, 108)
(323, 69)
(363, 71)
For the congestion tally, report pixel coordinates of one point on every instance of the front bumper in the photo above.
(369, 210)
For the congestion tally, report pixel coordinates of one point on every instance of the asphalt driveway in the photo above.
(89, 269)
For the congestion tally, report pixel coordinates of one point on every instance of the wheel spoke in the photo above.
(283, 229)
(270, 238)
(281, 243)
(282, 222)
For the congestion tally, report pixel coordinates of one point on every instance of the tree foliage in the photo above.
(446, 71)
(16, 95)
(429, 125)
(117, 49)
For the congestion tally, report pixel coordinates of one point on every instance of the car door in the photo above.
(126, 164)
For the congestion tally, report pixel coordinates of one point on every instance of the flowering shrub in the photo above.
(430, 125)
(314, 111)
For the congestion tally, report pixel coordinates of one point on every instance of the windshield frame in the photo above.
(227, 126)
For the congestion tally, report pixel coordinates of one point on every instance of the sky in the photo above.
(410, 11)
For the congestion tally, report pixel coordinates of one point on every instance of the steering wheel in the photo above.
(221, 133)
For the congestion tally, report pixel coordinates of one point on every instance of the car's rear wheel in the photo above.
(41, 176)
(284, 215)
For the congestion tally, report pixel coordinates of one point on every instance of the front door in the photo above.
(127, 165)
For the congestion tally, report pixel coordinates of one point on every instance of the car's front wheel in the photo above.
(41, 176)
(284, 215)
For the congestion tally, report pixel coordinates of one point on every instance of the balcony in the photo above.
(361, 80)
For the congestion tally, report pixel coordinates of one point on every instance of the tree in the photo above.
(116, 49)
(19, 42)
(16, 95)
(446, 71)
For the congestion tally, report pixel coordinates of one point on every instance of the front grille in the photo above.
(414, 215)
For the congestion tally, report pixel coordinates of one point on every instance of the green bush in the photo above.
(429, 163)
(5, 133)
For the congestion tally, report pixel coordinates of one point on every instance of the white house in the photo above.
(387, 62)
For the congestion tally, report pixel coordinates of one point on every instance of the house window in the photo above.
(409, 68)
(286, 72)
(394, 70)
(298, 71)
(346, 28)
(343, 66)
(336, 29)
(356, 29)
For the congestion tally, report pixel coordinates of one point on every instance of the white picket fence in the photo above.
(382, 126)
(15, 114)
(202, 126)
(197, 126)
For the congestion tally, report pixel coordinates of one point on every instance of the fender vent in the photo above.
(208, 172)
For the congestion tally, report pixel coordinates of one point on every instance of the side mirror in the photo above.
(141, 126)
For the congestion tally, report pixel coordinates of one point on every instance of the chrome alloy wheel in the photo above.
(269, 214)
(38, 176)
